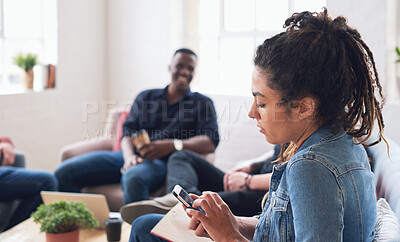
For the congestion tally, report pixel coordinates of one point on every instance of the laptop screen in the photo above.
(96, 203)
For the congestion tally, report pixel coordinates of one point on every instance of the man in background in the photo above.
(174, 118)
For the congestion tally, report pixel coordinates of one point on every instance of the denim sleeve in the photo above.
(316, 202)
(131, 123)
(207, 121)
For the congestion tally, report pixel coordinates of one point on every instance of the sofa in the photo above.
(241, 141)
(386, 167)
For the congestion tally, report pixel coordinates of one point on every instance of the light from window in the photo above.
(29, 26)
(308, 5)
(236, 64)
(268, 16)
(239, 15)
(210, 21)
(22, 19)
(228, 33)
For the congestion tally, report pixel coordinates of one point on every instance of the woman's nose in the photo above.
(252, 111)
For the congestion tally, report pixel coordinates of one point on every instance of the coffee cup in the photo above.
(113, 229)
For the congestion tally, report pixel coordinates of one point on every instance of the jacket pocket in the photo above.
(280, 203)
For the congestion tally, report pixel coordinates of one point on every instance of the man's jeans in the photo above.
(19, 183)
(142, 226)
(103, 167)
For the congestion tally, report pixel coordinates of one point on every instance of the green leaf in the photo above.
(62, 216)
(26, 62)
(398, 54)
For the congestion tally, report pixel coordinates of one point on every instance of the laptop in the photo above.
(96, 203)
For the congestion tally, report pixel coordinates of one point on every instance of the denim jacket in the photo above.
(325, 192)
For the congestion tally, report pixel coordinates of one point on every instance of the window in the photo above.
(227, 33)
(27, 26)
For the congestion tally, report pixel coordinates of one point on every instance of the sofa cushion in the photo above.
(387, 226)
(387, 172)
(120, 122)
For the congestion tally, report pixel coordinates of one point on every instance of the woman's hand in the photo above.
(219, 223)
(198, 228)
(235, 181)
(195, 224)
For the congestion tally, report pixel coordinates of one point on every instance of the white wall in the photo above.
(240, 138)
(369, 18)
(41, 123)
(139, 47)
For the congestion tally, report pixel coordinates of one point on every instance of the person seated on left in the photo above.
(19, 183)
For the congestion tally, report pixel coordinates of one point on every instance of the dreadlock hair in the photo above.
(325, 59)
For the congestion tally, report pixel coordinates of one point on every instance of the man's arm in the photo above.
(239, 181)
(260, 182)
(201, 144)
(160, 148)
(128, 153)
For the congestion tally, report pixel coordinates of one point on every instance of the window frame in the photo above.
(8, 70)
(193, 38)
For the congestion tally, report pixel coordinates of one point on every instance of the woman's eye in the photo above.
(260, 105)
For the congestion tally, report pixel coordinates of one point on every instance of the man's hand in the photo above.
(129, 161)
(7, 151)
(235, 181)
(156, 149)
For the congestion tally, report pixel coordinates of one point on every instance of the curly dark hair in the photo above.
(324, 58)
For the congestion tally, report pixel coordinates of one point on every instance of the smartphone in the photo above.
(185, 198)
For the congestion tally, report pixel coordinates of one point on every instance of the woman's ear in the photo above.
(308, 107)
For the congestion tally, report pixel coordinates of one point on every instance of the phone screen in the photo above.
(186, 197)
(187, 200)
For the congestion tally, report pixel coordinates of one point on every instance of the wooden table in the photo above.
(30, 231)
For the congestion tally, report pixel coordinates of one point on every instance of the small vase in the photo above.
(398, 82)
(72, 236)
(27, 79)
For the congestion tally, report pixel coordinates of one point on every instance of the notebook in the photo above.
(96, 203)
(174, 227)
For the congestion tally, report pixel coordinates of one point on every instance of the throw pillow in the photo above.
(120, 122)
(387, 226)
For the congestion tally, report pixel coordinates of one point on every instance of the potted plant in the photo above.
(398, 54)
(26, 62)
(61, 220)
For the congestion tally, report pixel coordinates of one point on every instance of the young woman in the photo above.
(314, 86)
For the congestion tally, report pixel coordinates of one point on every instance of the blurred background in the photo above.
(95, 55)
